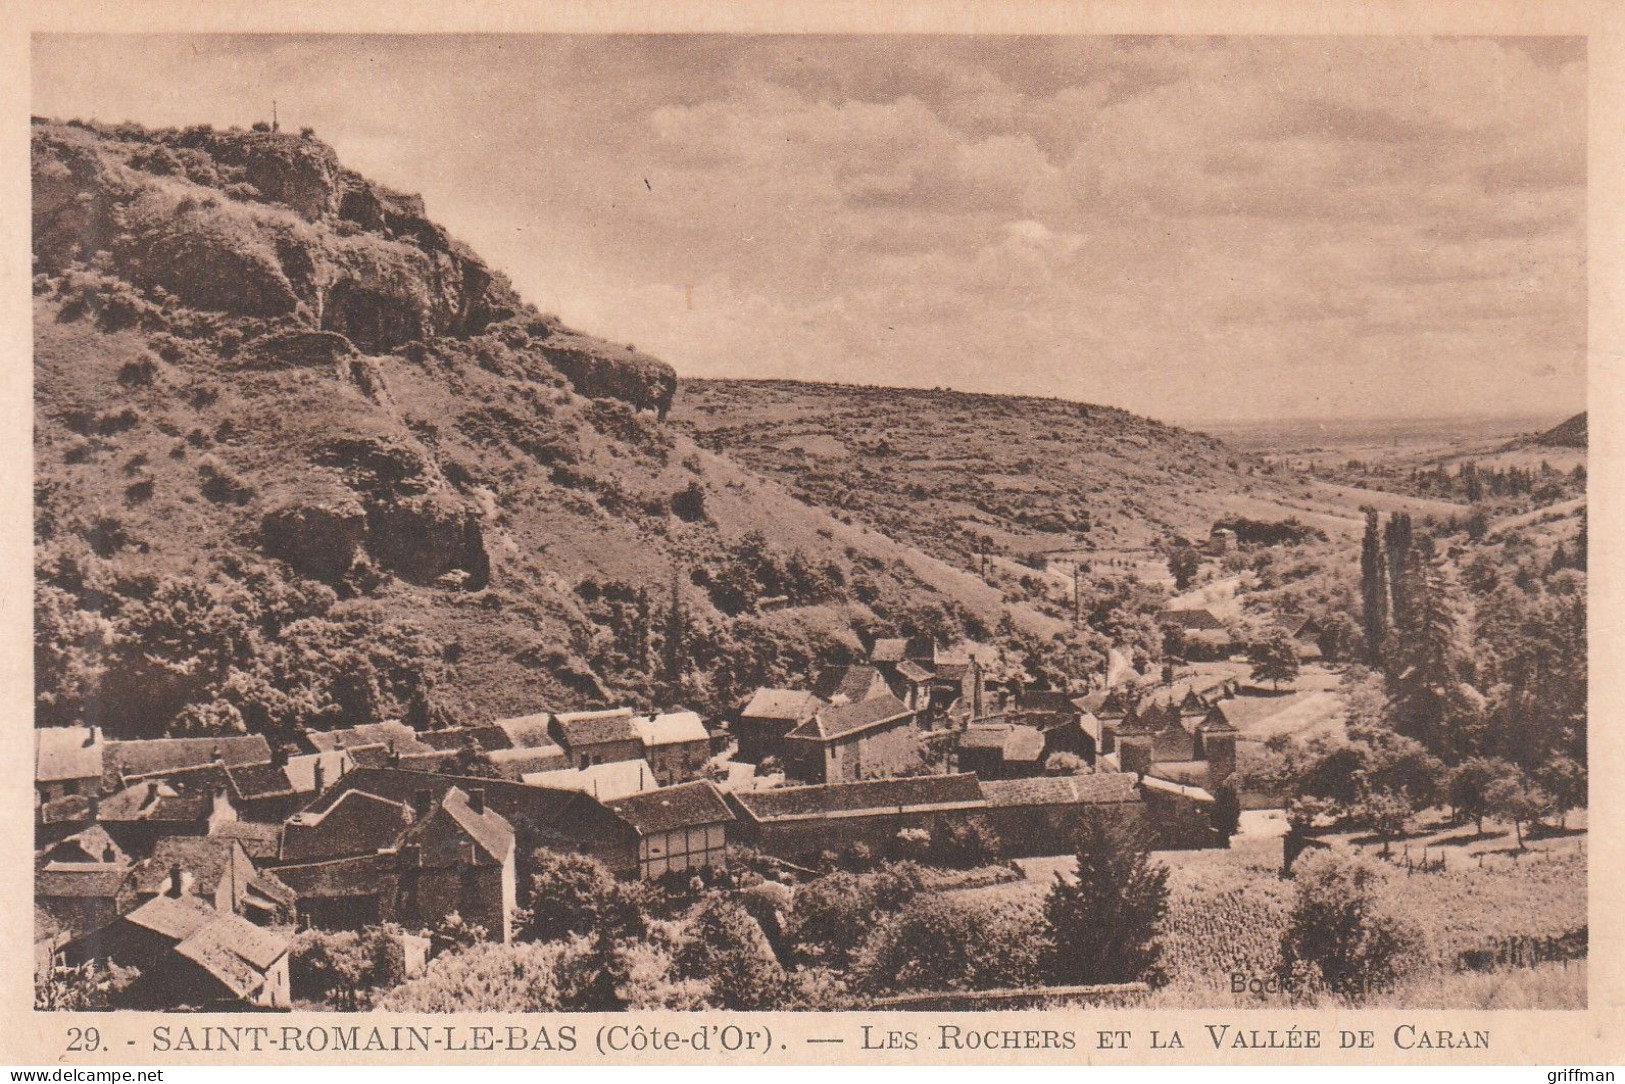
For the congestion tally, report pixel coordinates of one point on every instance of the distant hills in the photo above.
(1567, 434)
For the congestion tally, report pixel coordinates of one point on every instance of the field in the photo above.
(1228, 908)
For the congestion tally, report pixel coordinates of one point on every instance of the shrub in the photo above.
(1339, 938)
(943, 942)
(727, 948)
(688, 503)
(573, 894)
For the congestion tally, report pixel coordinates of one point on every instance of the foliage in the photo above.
(1339, 937)
(950, 942)
(493, 977)
(90, 987)
(1105, 923)
(833, 915)
(1226, 812)
(1471, 784)
(727, 948)
(1184, 562)
(1274, 657)
(569, 895)
(1514, 798)
(344, 968)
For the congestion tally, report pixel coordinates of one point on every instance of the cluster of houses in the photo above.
(195, 860)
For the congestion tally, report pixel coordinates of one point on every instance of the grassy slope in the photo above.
(943, 470)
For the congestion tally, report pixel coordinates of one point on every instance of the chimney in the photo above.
(476, 800)
(215, 755)
(421, 801)
(109, 854)
(319, 773)
(152, 792)
(175, 880)
(412, 856)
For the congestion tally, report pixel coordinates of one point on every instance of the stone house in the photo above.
(68, 762)
(852, 741)
(597, 737)
(191, 956)
(676, 745)
(769, 716)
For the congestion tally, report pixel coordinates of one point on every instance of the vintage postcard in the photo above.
(1028, 536)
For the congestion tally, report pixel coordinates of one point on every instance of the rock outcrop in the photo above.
(269, 225)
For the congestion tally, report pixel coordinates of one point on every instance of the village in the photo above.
(196, 861)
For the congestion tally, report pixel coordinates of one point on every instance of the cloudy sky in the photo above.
(1200, 229)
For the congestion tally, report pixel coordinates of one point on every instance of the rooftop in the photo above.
(673, 728)
(596, 727)
(67, 752)
(872, 794)
(781, 704)
(686, 805)
(840, 720)
(606, 782)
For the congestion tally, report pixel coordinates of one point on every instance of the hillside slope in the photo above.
(303, 459)
(957, 474)
(1566, 434)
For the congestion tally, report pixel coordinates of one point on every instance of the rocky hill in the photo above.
(1567, 434)
(302, 459)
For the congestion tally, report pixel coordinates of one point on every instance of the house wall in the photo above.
(276, 993)
(803, 841)
(1029, 831)
(678, 762)
(762, 738)
(878, 751)
(683, 849)
(607, 752)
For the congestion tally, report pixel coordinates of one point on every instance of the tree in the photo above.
(1565, 780)
(1384, 812)
(574, 894)
(1226, 812)
(1424, 666)
(1274, 657)
(1373, 588)
(1105, 922)
(1516, 799)
(90, 987)
(1338, 936)
(727, 948)
(1470, 786)
(1184, 562)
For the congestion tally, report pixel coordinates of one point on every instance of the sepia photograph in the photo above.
(940, 523)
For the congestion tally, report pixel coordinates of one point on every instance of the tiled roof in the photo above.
(687, 805)
(909, 670)
(1046, 700)
(488, 828)
(839, 720)
(394, 736)
(1024, 743)
(156, 800)
(484, 738)
(852, 682)
(874, 794)
(174, 917)
(68, 809)
(1193, 619)
(1101, 788)
(1165, 786)
(300, 771)
(781, 704)
(236, 952)
(526, 730)
(257, 840)
(92, 841)
(253, 781)
(205, 859)
(159, 756)
(606, 782)
(362, 875)
(596, 727)
(673, 728)
(514, 764)
(67, 752)
(82, 880)
(984, 737)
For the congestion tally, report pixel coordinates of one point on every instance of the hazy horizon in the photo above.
(1208, 231)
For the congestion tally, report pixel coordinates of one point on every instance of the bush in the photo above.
(572, 894)
(1338, 937)
(727, 948)
(941, 942)
(688, 504)
(832, 916)
(964, 845)
(343, 968)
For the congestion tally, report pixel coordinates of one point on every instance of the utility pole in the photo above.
(274, 125)
(1077, 593)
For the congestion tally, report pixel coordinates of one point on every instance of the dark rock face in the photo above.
(593, 371)
(422, 538)
(300, 349)
(204, 216)
(322, 541)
